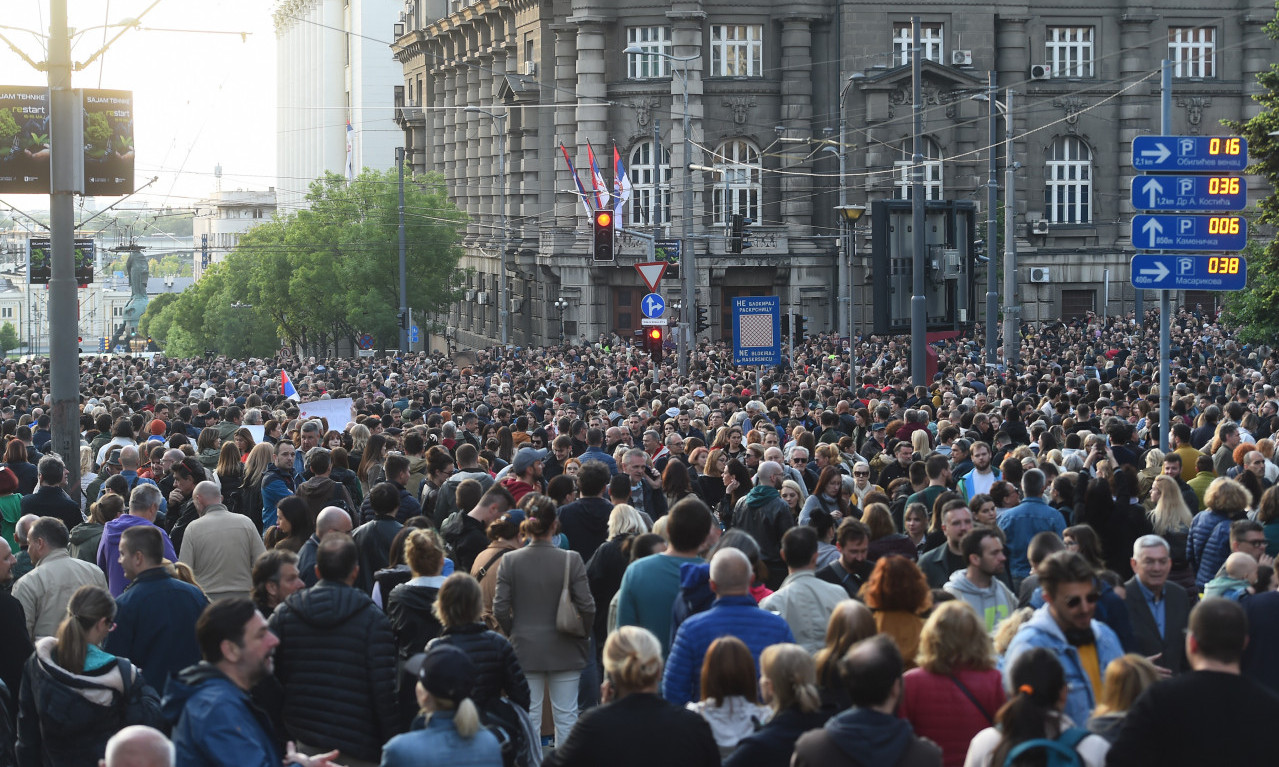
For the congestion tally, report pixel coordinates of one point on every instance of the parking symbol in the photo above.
(1187, 147)
(1185, 186)
(1185, 266)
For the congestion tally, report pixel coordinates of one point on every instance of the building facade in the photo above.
(221, 219)
(793, 109)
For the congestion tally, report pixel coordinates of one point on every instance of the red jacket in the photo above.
(939, 710)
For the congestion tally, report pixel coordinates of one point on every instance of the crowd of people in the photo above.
(527, 556)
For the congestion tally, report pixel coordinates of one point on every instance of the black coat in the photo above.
(604, 571)
(373, 539)
(466, 538)
(28, 476)
(1172, 645)
(585, 523)
(1260, 662)
(773, 744)
(409, 609)
(49, 501)
(336, 660)
(497, 670)
(15, 648)
(639, 730)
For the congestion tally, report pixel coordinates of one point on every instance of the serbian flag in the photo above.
(621, 187)
(286, 387)
(597, 180)
(350, 153)
(581, 190)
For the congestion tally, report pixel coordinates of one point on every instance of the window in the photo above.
(904, 41)
(6, 313)
(739, 175)
(653, 40)
(1193, 51)
(1070, 51)
(737, 50)
(116, 311)
(1068, 182)
(650, 186)
(932, 170)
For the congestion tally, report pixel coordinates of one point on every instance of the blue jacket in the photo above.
(1023, 522)
(440, 739)
(965, 483)
(597, 454)
(1042, 631)
(155, 625)
(216, 723)
(275, 486)
(738, 616)
(134, 479)
(1209, 545)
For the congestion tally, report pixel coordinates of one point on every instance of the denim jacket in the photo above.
(440, 739)
(1042, 631)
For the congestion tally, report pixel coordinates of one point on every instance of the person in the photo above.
(915, 525)
(374, 537)
(27, 473)
(868, 734)
(275, 579)
(74, 695)
(851, 569)
(504, 537)
(1034, 712)
(1227, 502)
(607, 566)
(788, 685)
(466, 531)
(220, 547)
(979, 584)
(330, 520)
(1237, 579)
(1021, 523)
(278, 480)
(526, 473)
(828, 495)
(851, 622)
(585, 521)
(1171, 519)
(156, 616)
(322, 489)
(138, 746)
(982, 476)
(898, 596)
(956, 690)
(884, 538)
(49, 499)
(45, 591)
(1169, 722)
(529, 583)
(764, 515)
(410, 605)
(452, 733)
(729, 692)
(87, 536)
(804, 601)
(144, 507)
(938, 564)
(357, 712)
(1127, 677)
(734, 612)
(1159, 609)
(292, 526)
(1065, 625)
(15, 641)
(187, 473)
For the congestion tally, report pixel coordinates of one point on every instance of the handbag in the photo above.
(567, 619)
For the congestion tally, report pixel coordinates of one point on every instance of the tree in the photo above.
(8, 338)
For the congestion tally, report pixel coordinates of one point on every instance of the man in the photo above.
(764, 515)
(978, 584)
(1172, 468)
(982, 476)
(1159, 610)
(228, 428)
(1065, 626)
(49, 499)
(796, 469)
(646, 488)
(850, 570)
(138, 746)
(467, 534)
(275, 579)
(220, 547)
(674, 452)
(869, 734)
(397, 474)
(595, 451)
(130, 460)
(357, 713)
(156, 616)
(1021, 522)
(650, 585)
(278, 481)
(308, 437)
(468, 467)
(804, 601)
(585, 521)
(939, 563)
(21, 536)
(144, 505)
(1203, 477)
(653, 446)
(903, 454)
(15, 640)
(374, 537)
(45, 591)
(1180, 435)
(1190, 719)
(330, 520)
(1224, 459)
(734, 612)
(526, 473)
(321, 490)
(938, 469)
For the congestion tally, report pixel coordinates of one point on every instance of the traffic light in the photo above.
(703, 319)
(801, 328)
(785, 326)
(603, 226)
(402, 319)
(737, 229)
(653, 343)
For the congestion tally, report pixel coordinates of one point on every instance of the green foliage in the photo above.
(96, 130)
(323, 273)
(8, 338)
(8, 128)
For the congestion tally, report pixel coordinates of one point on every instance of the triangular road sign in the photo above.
(651, 272)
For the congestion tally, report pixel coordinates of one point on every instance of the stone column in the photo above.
(567, 216)
(797, 118)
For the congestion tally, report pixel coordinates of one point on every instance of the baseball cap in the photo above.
(525, 458)
(445, 671)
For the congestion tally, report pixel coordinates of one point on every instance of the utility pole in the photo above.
(403, 316)
(1165, 304)
(918, 303)
(1012, 305)
(992, 226)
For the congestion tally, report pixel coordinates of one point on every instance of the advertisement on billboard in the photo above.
(24, 139)
(41, 260)
(108, 142)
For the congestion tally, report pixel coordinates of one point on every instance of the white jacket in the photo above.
(805, 602)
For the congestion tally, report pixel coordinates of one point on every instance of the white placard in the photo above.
(339, 412)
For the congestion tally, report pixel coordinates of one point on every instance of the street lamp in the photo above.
(850, 215)
(562, 305)
(503, 309)
(1012, 309)
(687, 257)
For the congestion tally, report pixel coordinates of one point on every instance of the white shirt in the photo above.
(1092, 749)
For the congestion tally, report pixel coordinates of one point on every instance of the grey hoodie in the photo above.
(993, 603)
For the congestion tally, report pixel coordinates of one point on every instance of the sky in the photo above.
(200, 98)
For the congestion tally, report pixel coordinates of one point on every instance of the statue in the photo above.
(139, 269)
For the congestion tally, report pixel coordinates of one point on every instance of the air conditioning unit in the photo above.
(1039, 227)
(470, 295)
(1040, 274)
(482, 297)
(530, 68)
(515, 304)
(1041, 72)
(961, 58)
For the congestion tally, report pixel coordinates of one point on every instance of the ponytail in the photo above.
(1038, 680)
(467, 719)
(87, 606)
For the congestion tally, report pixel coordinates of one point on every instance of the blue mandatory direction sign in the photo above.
(1189, 272)
(653, 305)
(1161, 232)
(757, 330)
(1202, 154)
(414, 334)
(1207, 194)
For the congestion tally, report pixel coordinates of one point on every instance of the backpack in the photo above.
(1061, 752)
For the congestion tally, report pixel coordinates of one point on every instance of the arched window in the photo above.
(932, 169)
(739, 176)
(650, 186)
(1068, 182)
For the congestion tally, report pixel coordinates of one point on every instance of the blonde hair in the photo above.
(633, 658)
(1007, 628)
(1126, 678)
(954, 638)
(1171, 512)
(466, 717)
(793, 675)
(624, 518)
(919, 441)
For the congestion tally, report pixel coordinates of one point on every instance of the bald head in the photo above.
(730, 573)
(129, 458)
(769, 474)
(138, 746)
(206, 494)
(23, 528)
(332, 519)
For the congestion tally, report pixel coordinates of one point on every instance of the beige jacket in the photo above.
(220, 547)
(529, 582)
(805, 602)
(45, 591)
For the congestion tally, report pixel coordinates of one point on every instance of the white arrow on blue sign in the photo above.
(414, 335)
(1155, 232)
(653, 305)
(1154, 271)
(1201, 154)
(1207, 194)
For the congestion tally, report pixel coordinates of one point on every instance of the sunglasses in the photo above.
(861, 474)
(1074, 602)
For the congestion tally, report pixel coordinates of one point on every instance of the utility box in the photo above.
(949, 263)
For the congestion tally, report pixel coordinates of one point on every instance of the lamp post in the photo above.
(850, 215)
(1012, 309)
(687, 258)
(561, 304)
(503, 309)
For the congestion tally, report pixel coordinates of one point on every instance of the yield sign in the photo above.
(651, 272)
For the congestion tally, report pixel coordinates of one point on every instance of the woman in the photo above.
(788, 684)
(608, 563)
(293, 526)
(341, 472)
(10, 506)
(251, 488)
(452, 733)
(1083, 540)
(206, 449)
(529, 583)
(15, 457)
(711, 481)
(230, 471)
(271, 431)
(621, 732)
(1170, 518)
(850, 623)
(827, 551)
(1034, 712)
(1227, 502)
(572, 466)
(791, 493)
(1267, 515)
(410, 606)
(244, 442)
(1154, 467)
(74, 695)
(898, 595)
(439, 467)
(370, 469)
(504, 537)
(884, 538)
(956, 690)
(397, 568)
(737, 483)
(729, 693)
(829, 496)
(984, 509)
(676, 484)
(87, 475)
(915, 520)
(1127, 677)
(733, 446)
(360, 436)
(332, 439)
(86, 536)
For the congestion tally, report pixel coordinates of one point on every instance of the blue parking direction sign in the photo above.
(1163, 232)
(1152, 271)
(652, 305)
(414, 334)
(1201, 154)
(757, 330)
(1203, 194)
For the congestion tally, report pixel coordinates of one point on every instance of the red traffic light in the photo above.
(603, 218)
(655, 334)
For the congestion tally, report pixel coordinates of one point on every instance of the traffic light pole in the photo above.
(688, 259)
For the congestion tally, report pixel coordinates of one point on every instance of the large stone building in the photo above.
(222, 218)
(766, 88)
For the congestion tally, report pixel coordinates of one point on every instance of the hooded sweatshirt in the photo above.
(109, 550)
(869, 737)
(993, 603)
(1225, 586)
